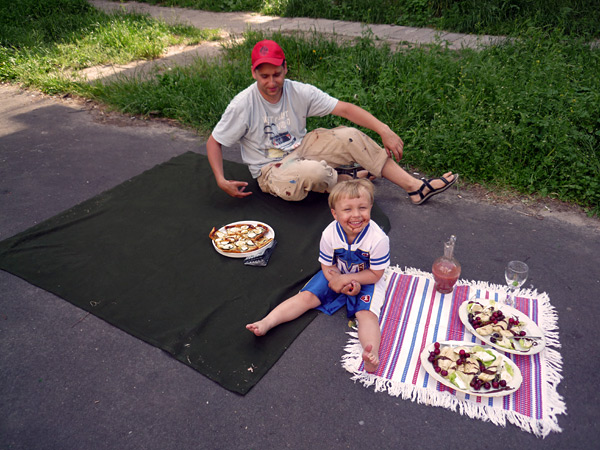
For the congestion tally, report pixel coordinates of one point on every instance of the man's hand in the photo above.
(393, 144)
(215, 159)
(235, 188)
(391, 141)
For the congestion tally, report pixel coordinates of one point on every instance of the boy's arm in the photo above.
(337, 280)
(215, 159)
(391, 141)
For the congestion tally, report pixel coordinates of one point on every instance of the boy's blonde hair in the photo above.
(351, 189)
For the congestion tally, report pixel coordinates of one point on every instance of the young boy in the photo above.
(354, 253)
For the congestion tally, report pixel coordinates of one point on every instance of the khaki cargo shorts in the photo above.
(311, 167)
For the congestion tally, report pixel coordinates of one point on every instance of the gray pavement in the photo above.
(71, 381)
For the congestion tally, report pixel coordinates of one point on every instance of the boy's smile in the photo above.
(353, 214)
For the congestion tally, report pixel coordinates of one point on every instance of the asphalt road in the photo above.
(70, 381)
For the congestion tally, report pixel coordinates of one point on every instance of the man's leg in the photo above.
(344, 145)
(293, 178)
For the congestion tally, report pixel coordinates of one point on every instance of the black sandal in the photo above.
(432, 190)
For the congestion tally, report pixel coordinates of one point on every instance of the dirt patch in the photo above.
(529, 205)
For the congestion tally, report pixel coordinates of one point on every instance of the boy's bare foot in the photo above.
(258, 328)
(370, 359)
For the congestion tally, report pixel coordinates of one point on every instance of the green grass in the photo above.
(45, 44)
(500, 17)
(523, 115)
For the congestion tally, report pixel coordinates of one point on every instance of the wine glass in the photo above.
(515, 273)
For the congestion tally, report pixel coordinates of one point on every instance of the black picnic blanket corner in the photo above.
(139, 257)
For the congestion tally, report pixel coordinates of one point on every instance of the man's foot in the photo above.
(360, 174)
(371, 360)
(431, 187)
(258, 328)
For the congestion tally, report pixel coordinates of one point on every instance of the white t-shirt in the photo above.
(268, 132)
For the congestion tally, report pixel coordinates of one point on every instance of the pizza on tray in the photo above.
(240, 237)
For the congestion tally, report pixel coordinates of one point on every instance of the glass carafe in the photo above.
(446, 269)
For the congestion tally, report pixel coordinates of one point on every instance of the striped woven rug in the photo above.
(414, 315)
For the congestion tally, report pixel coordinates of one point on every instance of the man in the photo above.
(268, 119)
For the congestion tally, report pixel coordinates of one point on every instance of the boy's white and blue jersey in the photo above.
(370, 250)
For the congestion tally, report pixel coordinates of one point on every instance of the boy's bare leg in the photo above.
(290, 309)
(369, 336)
(397, 175)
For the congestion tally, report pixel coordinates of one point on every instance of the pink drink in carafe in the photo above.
(446, 269)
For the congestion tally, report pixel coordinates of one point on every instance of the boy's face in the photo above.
(270, 80)
(353, 214)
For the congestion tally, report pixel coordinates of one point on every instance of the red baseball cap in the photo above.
(267, 52)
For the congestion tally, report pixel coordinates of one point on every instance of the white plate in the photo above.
(530, 328)
(270, 234)
(514, 384)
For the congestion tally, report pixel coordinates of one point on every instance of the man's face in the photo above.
(270, 80)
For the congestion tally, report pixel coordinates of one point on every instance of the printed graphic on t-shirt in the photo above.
(349, 264)
(351, 261)
(276, 129)
(275, 153)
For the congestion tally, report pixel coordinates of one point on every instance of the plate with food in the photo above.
(471, 368)
(501, 326)
(242, 239)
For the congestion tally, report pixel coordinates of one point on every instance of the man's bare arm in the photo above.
(214, 152)
(357, 115)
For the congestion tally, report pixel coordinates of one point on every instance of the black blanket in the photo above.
(139, 257)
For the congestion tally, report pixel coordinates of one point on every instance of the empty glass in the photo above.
(516, 273)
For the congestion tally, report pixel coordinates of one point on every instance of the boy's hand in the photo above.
(338, 282)
(352, 289)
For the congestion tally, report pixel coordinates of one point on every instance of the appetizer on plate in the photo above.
(241, 237)
(473, 369)
(491, 323)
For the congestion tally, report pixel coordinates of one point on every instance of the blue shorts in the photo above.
(332, 301)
